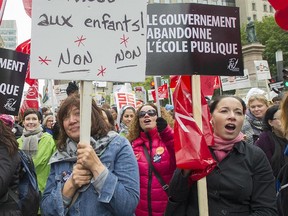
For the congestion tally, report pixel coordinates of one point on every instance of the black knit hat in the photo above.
(72, 87)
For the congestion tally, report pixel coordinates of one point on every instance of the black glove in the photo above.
(161, 124)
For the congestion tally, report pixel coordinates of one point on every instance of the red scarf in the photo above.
(223, 147)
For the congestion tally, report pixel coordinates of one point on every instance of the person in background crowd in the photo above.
(241, 184)
(9, 170)
(108, 118)
(45, 111)
(253, 124)
(17, 128)
(8, 120)
(152, 140)
(272, 140)
(48, 123)
(282, 178)
(37, 144)
(114, 114)
(106, 106)
(127, 113)
(72, 89)
(96, 178)
(170, 109)
(277, 99)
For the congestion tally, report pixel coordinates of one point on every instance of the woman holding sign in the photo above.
(241, 184)
(96, 178)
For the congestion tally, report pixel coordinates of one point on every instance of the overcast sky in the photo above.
(15, 11)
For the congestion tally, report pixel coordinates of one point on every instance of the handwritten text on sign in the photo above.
(89, 40)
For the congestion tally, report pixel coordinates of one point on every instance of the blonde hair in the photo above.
(284, 115)
(258, 97)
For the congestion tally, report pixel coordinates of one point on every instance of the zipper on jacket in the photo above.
(149, 177)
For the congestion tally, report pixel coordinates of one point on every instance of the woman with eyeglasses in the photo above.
(153, 141)
(272, 140)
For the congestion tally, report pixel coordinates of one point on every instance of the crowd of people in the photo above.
(129, 166)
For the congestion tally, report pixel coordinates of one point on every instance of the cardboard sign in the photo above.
(13, 67)
(89, 40)
(236, 82)
(262, 70)
(193, 39)
(124, 98)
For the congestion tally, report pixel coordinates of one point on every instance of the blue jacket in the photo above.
(119, 194)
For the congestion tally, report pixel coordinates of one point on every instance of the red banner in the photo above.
(31, 98)
(25, 48)
(191, 145)
(162, 92)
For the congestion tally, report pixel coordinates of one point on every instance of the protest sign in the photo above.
(12, 77)
(262, 70)
(235, 82)
(124, 98)
(193, 39)
(89, 40)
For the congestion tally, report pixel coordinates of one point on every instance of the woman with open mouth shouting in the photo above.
(241, 184)
(153, 144)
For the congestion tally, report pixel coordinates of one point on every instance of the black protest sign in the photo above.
(13, 66)
(193, 39)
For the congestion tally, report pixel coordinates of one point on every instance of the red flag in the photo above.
(216, 82)
(173, 81)
(162, 92)
(207, 85)
(27, 6)
(25, 48)
(2, 8)
(31, 98)
(191, 145)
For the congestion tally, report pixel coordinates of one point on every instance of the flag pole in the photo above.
(157, 95)
(197, 115)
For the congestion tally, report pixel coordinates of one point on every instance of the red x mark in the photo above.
(124, 40)
(101, 71)
(45, 60)
(80, 40)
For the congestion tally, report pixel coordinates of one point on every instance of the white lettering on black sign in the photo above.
(10, 64)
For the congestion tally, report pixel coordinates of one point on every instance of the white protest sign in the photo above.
(89, 40)
(262, 70)
(236, 82)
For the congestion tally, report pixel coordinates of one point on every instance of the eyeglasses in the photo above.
(151, 113)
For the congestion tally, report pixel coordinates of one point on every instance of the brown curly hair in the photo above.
(135, 129)
(99, 127)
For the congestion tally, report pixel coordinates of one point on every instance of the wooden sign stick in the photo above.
(85, 110)
(197, 115)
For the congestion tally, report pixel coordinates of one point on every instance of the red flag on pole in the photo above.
(25, 48)
(31, 98)
(162, 92)
(191, 145)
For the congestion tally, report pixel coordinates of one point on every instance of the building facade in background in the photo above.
(8, 33)
(256, 9)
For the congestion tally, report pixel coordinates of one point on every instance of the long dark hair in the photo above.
(269, 115)
(7, 138)
(99, 127)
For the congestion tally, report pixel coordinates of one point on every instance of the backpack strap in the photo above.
(158, 176)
